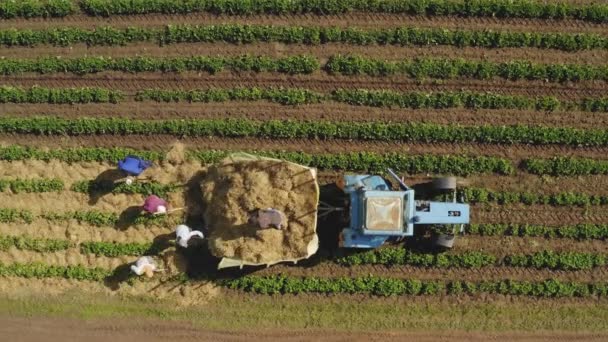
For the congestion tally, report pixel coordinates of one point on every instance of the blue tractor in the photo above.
(377, 213)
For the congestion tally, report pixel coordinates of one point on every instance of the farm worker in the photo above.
(144, 265)
(183, 235)
(155, 205)
(268, 217)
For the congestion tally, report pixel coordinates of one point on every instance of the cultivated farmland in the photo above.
(510, 96)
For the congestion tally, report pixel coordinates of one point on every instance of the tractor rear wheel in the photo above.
(445, 240)
(445, 183)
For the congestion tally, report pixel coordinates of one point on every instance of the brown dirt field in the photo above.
(410, 272)
(357, 19)
(78, 232)
(537, 214)
(154, 288)
(508, 245)
(160, 142)
(71, 256)
(324, 51)
(319, 81)
(262, 110)
(233, 189)
(53, 329)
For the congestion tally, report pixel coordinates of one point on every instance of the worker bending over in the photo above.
(155, 205)
(268, 217)
(183, 234)
(144, 265)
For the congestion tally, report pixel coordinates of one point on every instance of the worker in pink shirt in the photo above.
(155, 205)
(266, 218)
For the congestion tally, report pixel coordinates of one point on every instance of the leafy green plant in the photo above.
(35, 8)
(565, 166)
(149, 188)
(480, 195)
(114, 249)
(287, 129)
(39, 270)
(380, 286)
(463, 8)
(33, 244)
(31, 185)
(72, 155)
(8, 215)
(58, 96)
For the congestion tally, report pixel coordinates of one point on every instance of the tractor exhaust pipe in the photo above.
(394, 175)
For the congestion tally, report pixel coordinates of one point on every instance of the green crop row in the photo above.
(389, 287)
(312, 35)
(115, 249)
(287, 129)
(99, 218)
(464, 8)
(566, 166)
(39, 270)
(108, 249)
(374, 98)
(546, 259)
(73, 155)
(144, 188)
(420, 68)
(8, 215)
(479, 195)
(58, 96)
(33, 244)
(579, 231)
(347, 65)
(373, 162)
(285, 96)
(31, 185)
(85, 65)
(35, 8)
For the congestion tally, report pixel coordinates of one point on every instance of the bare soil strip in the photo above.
(508, 245)
(318, 81)
(355, 19)
(262, 110)
(161, 142)
(537, 214)
(78, 232)
(71, 256)
(391, 52)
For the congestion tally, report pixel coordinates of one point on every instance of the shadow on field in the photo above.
(193, 199)
(120, 275)
(128, 217)
(103, 184)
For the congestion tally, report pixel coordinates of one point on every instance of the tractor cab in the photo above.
(378, 213)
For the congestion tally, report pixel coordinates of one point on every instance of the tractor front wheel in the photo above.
(445, 183)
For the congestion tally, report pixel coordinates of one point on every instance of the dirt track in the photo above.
(67, 330)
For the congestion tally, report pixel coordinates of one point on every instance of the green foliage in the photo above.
(284, 96)
(72, 155)
(579, 231)
(31, 185)
(33, 244)
(58, 96)
(144, 188)
(560, 261)
(39, 270)
(379, 286)
(287, 129)
(311, 35)
(401, 256)
(86, 65)
(480, 195)
(441, 100)
(421, 68)
(99, 218)
(373, 162)
(566, 166)
(35, 8)
(462, 8)
(8, 215)
(114, 249)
